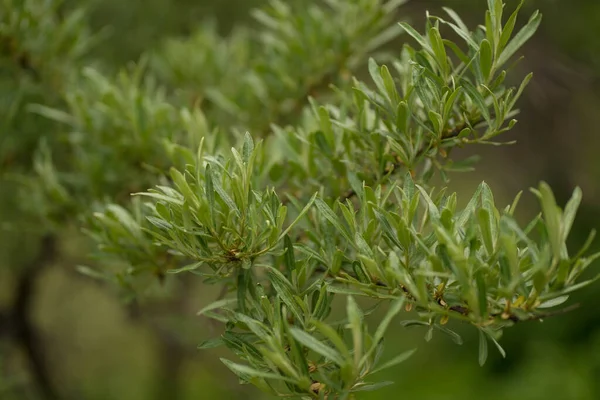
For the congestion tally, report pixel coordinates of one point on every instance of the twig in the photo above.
(454, 132)
(549, 314)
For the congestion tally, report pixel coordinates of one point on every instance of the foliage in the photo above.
(39, 50)
(330, 194)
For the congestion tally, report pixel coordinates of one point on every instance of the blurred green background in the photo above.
(97, 351)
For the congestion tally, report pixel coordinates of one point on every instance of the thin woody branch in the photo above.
(21, 325)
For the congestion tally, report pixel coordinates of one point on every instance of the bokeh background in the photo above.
(98, 351)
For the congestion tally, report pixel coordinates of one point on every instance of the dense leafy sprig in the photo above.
(256, 77)
(40, 47)
(335, 200)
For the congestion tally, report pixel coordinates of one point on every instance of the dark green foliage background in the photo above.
(97, 352)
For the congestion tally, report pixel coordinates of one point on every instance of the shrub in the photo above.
(330, 193)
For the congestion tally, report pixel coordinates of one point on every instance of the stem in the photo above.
(23, 329)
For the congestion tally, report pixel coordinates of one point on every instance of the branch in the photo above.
(454, 132)
(460, 309)
(20, 321)
(312, 89)
(21, 58)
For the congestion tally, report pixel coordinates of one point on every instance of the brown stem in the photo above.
(5, 324)
(22, 328)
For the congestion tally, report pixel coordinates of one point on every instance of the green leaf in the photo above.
(376, 75)
(390, 85)
(53, 114)
(387, 228)
(478, 99)
(570, 212)
(345, 290)
(520, 38)
(554, 302)
(571, 289)
(433, 210)
(210, 344)
(216, 305)
(183, 186)
(299, 217)
(257, 328)
(500, 349)
(483, 348)
(186, 268)
(409, 186)
(486, 59)
(522, 87)
(245, 372)
(210, 192)
(285, 291)
(552, 218)
(456, 338)
(509, 27)
(325, 122)
(407, 323)
(449, 104)
(416, 35)
(290, 260)
(224, 196)
(222, 102)
(369, 387)
(317, 346)
(394, 309)
(334, 338)
(485, 227)
(439, 50)
(248, 147)
(323, 144)
(91, 273)
(328, 213)
(467, 38)
(436, 120)
(456, 18)
(400, 358)
(355, 323)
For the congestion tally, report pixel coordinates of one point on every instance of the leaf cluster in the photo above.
(334, 200)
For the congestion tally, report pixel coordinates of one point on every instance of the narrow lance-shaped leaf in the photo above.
(246, 372)
(400, 358)
(509, 27)
(317, 346)
(299, 217)
(416, 35)
(223, 195)
(520, 38)
(483, 348)
(552, 217)
(570, 212)
(355, 321)
(439, 50)
(334, 338)
(486, 59)
(216, 305)
(394, 309)
(328, 213)
(290, 260)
